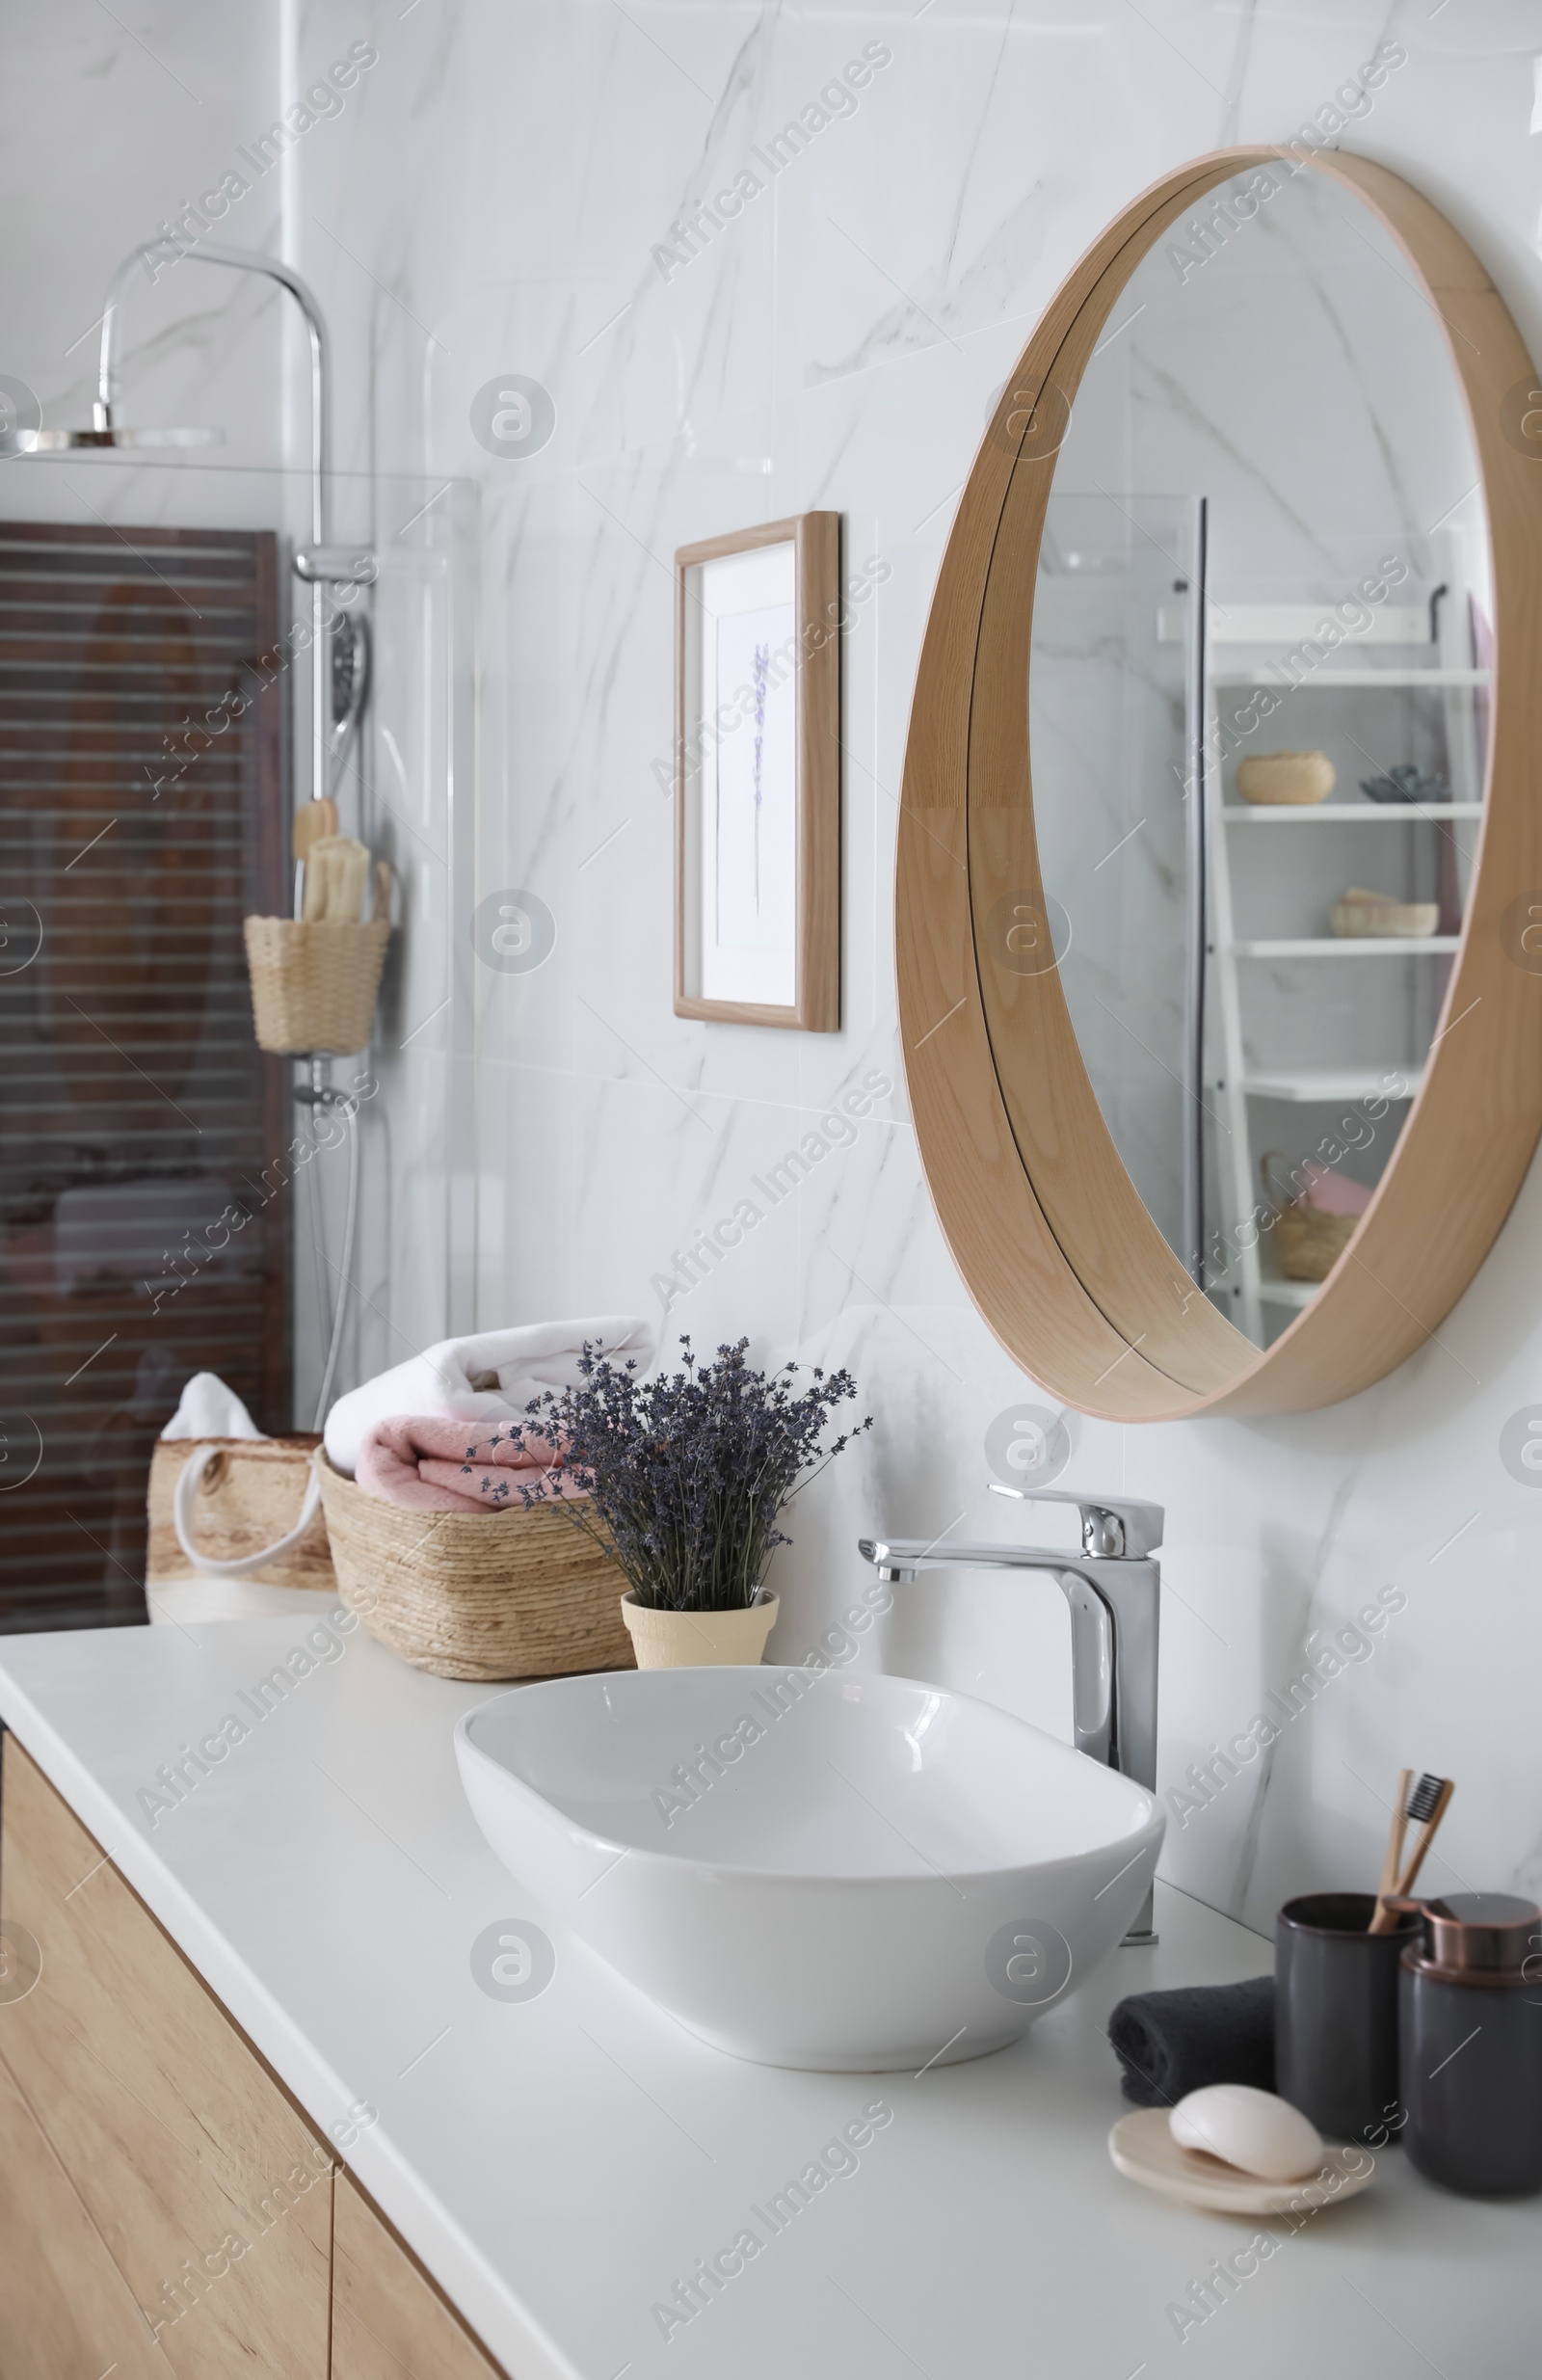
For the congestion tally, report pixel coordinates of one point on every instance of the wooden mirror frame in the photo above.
(1040, 1214)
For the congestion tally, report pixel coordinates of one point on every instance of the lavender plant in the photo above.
(685, 1478)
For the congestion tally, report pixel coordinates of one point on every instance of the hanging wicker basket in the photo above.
(1306, 1243)
(481, 1595)
(313, 987)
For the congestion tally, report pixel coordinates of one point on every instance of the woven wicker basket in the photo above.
(249, 1499)
(481, 1595)
(313, 987)
(1371, 916)
(1290, 779)
(1306, 1243)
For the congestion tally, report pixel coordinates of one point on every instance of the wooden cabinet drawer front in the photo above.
(210, 2189)
(64, 2308)
(389, 2322)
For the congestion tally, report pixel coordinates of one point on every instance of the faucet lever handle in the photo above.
(1112, 1527)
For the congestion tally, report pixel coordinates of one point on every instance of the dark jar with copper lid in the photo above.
(1470, 2035)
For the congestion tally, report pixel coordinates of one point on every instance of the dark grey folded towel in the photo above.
(1171, 2043)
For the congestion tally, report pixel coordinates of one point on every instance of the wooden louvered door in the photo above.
(141, 818)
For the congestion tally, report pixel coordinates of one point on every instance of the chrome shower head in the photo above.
(105, 432)
(70, 441)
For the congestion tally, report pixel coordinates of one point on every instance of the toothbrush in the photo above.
(1428, 1807)
(1425, 1807)
(1395, 1845)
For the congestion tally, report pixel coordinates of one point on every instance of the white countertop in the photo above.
(559, 2163)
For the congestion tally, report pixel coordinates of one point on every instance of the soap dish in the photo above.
(1142, 2147)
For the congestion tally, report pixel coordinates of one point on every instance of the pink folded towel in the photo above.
(1331, 1192)
(435, 1463)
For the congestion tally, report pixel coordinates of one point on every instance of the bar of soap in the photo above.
(1251, 2129)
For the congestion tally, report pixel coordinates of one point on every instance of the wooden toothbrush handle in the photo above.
(1382, 1918)
(1395, 1835)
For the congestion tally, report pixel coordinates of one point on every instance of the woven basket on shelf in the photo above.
(1290, 779)
(1362, 916)
(313, 987)
(1306, 1243)
(480, 1595)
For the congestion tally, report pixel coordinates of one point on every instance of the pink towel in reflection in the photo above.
(434, 1463)
(1331, 1192)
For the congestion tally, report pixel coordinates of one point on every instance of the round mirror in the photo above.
(1209, 764)
(1259, 688)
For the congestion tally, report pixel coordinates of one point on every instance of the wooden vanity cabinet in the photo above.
(389, 2318)
(165, 2205)
(64, 2307)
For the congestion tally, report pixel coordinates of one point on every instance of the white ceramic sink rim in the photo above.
(882, 1689)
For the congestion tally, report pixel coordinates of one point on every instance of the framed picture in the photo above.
(758, 775)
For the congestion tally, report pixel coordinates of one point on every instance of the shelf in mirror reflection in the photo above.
(1352, 945)
(1304, 1085)
(1276, 627)
(1356, 814)
(1277, 1293)
(1358, 678)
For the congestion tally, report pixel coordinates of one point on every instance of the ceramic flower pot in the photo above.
(696, 1640)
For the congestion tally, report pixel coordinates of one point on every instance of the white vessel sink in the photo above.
(874, 1873)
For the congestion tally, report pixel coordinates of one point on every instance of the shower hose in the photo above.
(344, 1270)
(348, 711)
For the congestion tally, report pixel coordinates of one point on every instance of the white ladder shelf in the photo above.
(1237, 1081)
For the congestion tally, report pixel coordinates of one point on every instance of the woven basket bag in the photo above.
(250, 1495)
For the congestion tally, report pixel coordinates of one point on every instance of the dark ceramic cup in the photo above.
(1336, 2014)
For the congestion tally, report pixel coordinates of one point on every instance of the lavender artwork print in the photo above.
(762, 667)
(756, 806)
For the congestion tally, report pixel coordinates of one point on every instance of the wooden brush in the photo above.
(313, 821)
(1423, 1807)
(335, 876)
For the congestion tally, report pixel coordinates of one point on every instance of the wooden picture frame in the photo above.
(1038, 1211)
(758, 801)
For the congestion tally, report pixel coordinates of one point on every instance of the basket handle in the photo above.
(1271, 1193)
(187, 1485)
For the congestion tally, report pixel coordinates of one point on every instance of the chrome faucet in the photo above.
(1112, 1587)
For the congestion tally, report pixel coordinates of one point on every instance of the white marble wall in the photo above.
(488, 204)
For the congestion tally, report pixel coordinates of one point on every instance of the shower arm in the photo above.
(109, 389)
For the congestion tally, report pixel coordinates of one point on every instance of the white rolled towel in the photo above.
(489, 1377)
(208, 1409)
